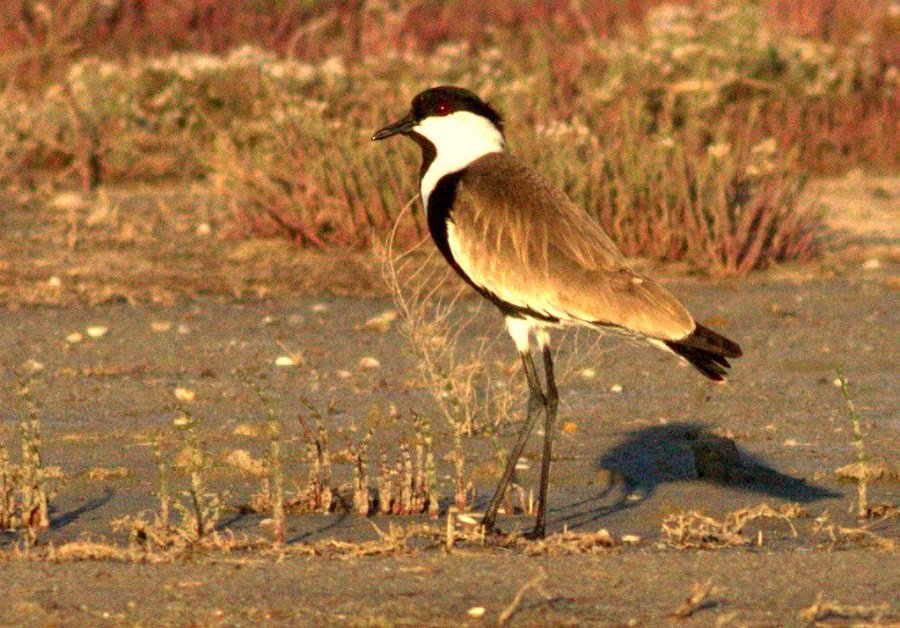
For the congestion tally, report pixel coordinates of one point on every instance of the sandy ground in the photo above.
(643, 438)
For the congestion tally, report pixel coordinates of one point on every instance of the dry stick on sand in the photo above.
(163, 493)
(274, 463)
(698, 599)
(862, 470)
(8, 478)
(821, 611)
(535, 582)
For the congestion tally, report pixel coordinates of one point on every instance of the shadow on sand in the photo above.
(69, 517)
(61, 520)
(681, 452)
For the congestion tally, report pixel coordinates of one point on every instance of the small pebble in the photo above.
(616, 388)
(97, 331)
(285, 360)
(68, 200)
(246, 429)
(185, 394)
(872, 264)
(31, 365)
(74, 337)
(244, 461)
(476, 611)
(380, 323)
(369, 362)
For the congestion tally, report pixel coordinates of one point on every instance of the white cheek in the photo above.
(459, 139)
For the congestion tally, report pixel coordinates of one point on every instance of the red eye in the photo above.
(443, 108)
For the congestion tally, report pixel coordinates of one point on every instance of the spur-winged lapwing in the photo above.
(544, 262)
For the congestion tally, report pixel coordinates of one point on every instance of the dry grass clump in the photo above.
(318, 495)
(822, 611)
(396, 539)
(410, 486)
(864, 469)
(405, 487)
(696, 530)
(870, 534)
(200, 508)
(106, 121)
(571, 543)
(474, 395)
(26, 488)
(306, 177)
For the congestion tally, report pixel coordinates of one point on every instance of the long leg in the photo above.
(551, 402)
(536, 401)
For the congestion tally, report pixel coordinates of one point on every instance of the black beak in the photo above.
(404, 125)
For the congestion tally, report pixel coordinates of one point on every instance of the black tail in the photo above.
(706, 351)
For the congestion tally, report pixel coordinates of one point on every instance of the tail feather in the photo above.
(707, 351)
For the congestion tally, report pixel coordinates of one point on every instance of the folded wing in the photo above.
(525, 243)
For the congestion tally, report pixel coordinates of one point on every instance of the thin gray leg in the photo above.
(536, 401)
(551, 402)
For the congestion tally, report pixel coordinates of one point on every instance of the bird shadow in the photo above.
(677, 452)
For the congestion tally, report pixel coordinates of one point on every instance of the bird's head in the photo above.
(451, 120)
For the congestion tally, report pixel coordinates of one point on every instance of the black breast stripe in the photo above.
(429, 152)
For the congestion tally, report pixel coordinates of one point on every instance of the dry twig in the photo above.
(534, 582)
(823, 609)
(698, 599)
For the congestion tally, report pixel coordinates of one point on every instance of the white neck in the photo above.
(459, 139)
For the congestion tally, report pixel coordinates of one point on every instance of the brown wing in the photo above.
(518, 237)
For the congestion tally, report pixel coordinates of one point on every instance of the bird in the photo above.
(540, 259)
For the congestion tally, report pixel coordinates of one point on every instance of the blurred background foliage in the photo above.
(688, 129)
